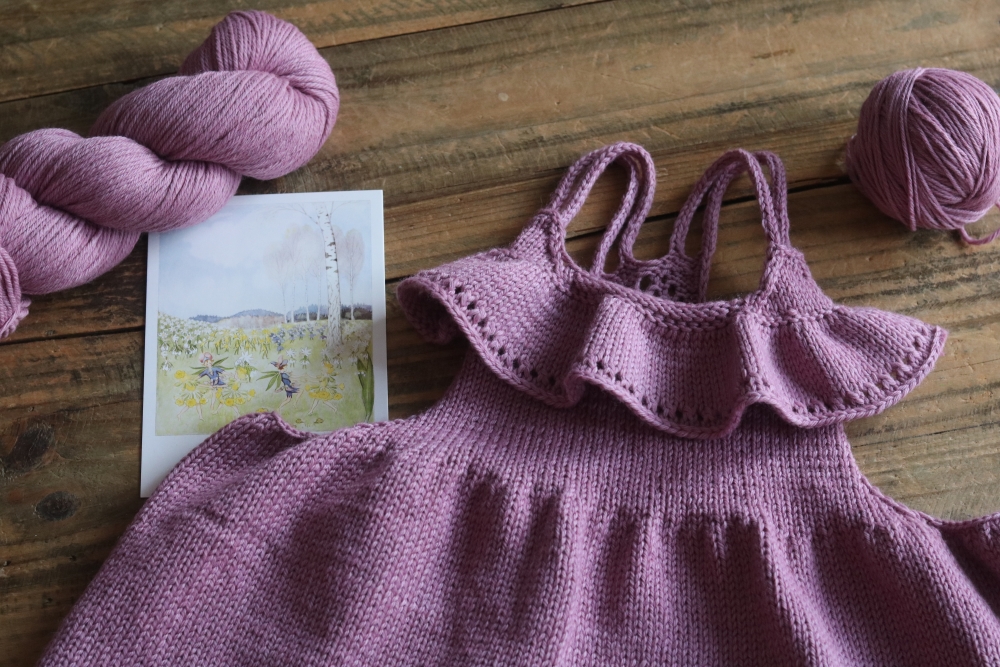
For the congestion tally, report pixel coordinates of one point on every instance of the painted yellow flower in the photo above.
(337, 397)
(190, 402)
(253, 392)
(179, 401)
(341, 385)
(180, 375)
(230, 402)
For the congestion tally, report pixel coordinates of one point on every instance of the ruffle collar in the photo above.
(644, 333)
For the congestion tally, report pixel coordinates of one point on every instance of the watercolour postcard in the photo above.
(274, 304)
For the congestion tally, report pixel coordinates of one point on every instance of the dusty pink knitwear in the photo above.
(621, 474)
(255, 99)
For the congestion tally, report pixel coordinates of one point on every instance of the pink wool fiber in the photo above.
(255, 99)
(623, 473)
(927, 150)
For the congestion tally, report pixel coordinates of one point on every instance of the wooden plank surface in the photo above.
(466, 114)
(41, 44)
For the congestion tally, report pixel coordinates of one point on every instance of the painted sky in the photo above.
(217, 267)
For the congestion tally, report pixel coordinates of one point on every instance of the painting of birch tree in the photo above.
(266, 309)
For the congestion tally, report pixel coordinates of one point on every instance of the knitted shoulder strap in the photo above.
(572, 191)
(627, 221)
(713, 184)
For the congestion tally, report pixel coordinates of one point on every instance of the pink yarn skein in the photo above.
(255, 99)
(927, 149)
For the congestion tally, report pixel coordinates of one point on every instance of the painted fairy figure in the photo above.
(190, 393)
(234, 396)
(191, 389)
(325, 390)
(228, 390)
(284, 381)
(213, 370)
(214, 373)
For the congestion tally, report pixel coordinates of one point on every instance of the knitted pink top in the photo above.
(622, 474)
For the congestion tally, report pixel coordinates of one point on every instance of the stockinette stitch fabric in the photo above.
(255, 99)
(621, 474)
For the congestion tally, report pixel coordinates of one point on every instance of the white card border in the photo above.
(160, 451)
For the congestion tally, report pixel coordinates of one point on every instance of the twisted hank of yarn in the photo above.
(255, 99)
(927, 149)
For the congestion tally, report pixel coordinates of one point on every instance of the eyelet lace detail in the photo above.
(683, 365)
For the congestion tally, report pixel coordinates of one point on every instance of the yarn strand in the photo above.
(982, 240)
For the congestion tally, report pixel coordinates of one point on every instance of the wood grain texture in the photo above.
(938, 451)
(478, 120)
(113, 302)
(74, 404)
(56, 46)
(537, 91)
(466, 115)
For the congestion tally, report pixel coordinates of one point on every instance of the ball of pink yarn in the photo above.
(927, 149)
(255, 99)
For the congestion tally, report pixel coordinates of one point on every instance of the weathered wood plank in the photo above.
(69, 456)
(420, 115)
(492, 101)
(462, 170)
(419, 235)
(467, 129)
(938, 451)
(425, 233)
(113, 302)
(454, 110)
(66, 45)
